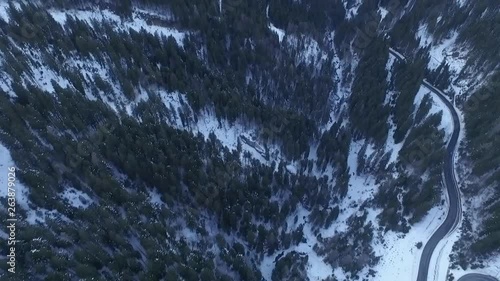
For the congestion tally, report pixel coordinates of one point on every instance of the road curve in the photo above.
(454, 213)
(477, 277)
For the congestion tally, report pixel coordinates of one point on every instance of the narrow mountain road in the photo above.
(454, 212)
(455, 206)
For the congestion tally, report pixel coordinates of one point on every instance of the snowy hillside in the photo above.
(238, 140)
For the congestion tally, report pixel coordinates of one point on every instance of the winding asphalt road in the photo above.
(455, 211)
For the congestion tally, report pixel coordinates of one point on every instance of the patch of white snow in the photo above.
(76, 198)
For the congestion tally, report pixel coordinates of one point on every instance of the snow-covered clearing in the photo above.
(446, 50)
(38, 74)
(383, 12)
(230, 134)
(92, 68)
(21, 191)
(361, 189)
(5, 85)
(317, 269)
(155, 197)
(137, 23)
(188, 234)
(4, 5)
(389, 67)
(462, 3)
(352, 10)
(317, 171)
(455, 56)
(391, 145)
(42, 75)
(76, 198)
(32, 216)
(174, 101)
(400, 256)
(308, 50)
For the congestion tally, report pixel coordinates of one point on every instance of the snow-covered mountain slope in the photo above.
(137, 23)
(228, 141)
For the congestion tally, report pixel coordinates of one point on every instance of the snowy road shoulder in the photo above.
(400, 255)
